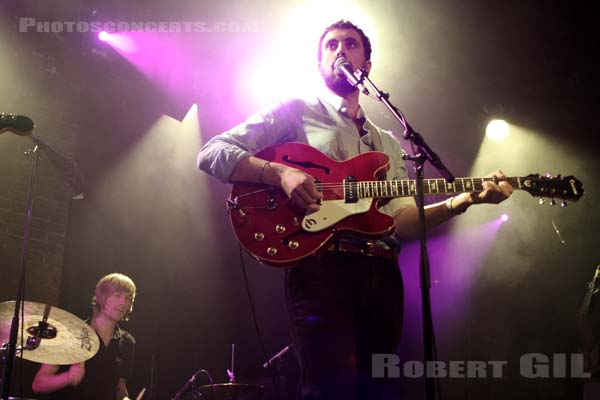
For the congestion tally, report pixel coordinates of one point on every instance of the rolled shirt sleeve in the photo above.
(276, 124)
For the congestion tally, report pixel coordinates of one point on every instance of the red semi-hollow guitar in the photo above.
(277, 232)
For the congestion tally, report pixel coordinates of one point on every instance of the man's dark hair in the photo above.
(343, 24)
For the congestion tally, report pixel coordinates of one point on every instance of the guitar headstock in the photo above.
(557, 187)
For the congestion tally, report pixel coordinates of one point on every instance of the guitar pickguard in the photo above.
(332, 212)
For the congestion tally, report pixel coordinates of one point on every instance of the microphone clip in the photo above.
(354, 78)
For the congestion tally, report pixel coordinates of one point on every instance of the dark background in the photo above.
(150, 214)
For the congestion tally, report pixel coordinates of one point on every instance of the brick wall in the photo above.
(35, 84)
(49, 220)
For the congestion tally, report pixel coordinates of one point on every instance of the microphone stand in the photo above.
(75, 180)
(423, 153)
(67, 165)
(592, 290)
(14, 326)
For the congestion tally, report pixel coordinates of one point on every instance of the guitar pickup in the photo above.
(350, 190)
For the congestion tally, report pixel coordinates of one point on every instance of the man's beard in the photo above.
(338, 84)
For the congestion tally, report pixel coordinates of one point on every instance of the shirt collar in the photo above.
(339, 103)
(116, 335)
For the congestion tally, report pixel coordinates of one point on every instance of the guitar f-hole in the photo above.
(306, 164)
(286, 240)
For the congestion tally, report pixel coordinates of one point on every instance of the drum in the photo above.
(19, 398)
(226, 391)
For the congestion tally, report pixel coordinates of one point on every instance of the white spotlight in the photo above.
(497, 130)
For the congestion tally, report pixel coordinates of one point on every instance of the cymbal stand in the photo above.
(230, 373)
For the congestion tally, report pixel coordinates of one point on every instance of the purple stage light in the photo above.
(103, 36)
(504, 217)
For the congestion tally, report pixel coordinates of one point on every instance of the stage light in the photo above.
(504, 217)
(121, 42)
(191, 114)
(497, 130)
(272, 76)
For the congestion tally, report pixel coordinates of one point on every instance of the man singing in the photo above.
(347, 303)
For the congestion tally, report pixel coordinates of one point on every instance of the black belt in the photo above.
(366, 249)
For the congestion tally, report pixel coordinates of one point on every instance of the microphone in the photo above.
(19, 124)
(181, 394)
(344, 67)
(276, 356)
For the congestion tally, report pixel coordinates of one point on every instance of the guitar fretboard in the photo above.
(407, 187)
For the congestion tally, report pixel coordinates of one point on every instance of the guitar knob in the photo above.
(259, 236)
(541, 201)
(563, 203)
(293, 244)
(279, 228)
(552, 202)
(271, 251)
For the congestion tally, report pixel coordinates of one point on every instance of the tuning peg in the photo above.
(563, 203)
(541, 201)
(552, 202)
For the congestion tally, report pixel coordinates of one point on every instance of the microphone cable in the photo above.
(274, 379)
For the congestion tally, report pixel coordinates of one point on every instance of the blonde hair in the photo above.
(109, 284)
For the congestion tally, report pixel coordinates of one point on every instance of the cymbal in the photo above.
(68, 339)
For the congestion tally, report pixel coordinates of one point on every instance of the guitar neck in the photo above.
(407, 187)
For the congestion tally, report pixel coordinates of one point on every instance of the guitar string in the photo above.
(397, 184)
(406, 187)
(412, 181)
(402, 181)
(393, 184)
(400, 185)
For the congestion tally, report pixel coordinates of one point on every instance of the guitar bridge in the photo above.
(233, 205)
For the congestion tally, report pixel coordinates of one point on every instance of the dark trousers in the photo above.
(344, 307)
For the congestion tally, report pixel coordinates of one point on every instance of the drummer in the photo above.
(102, 377)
